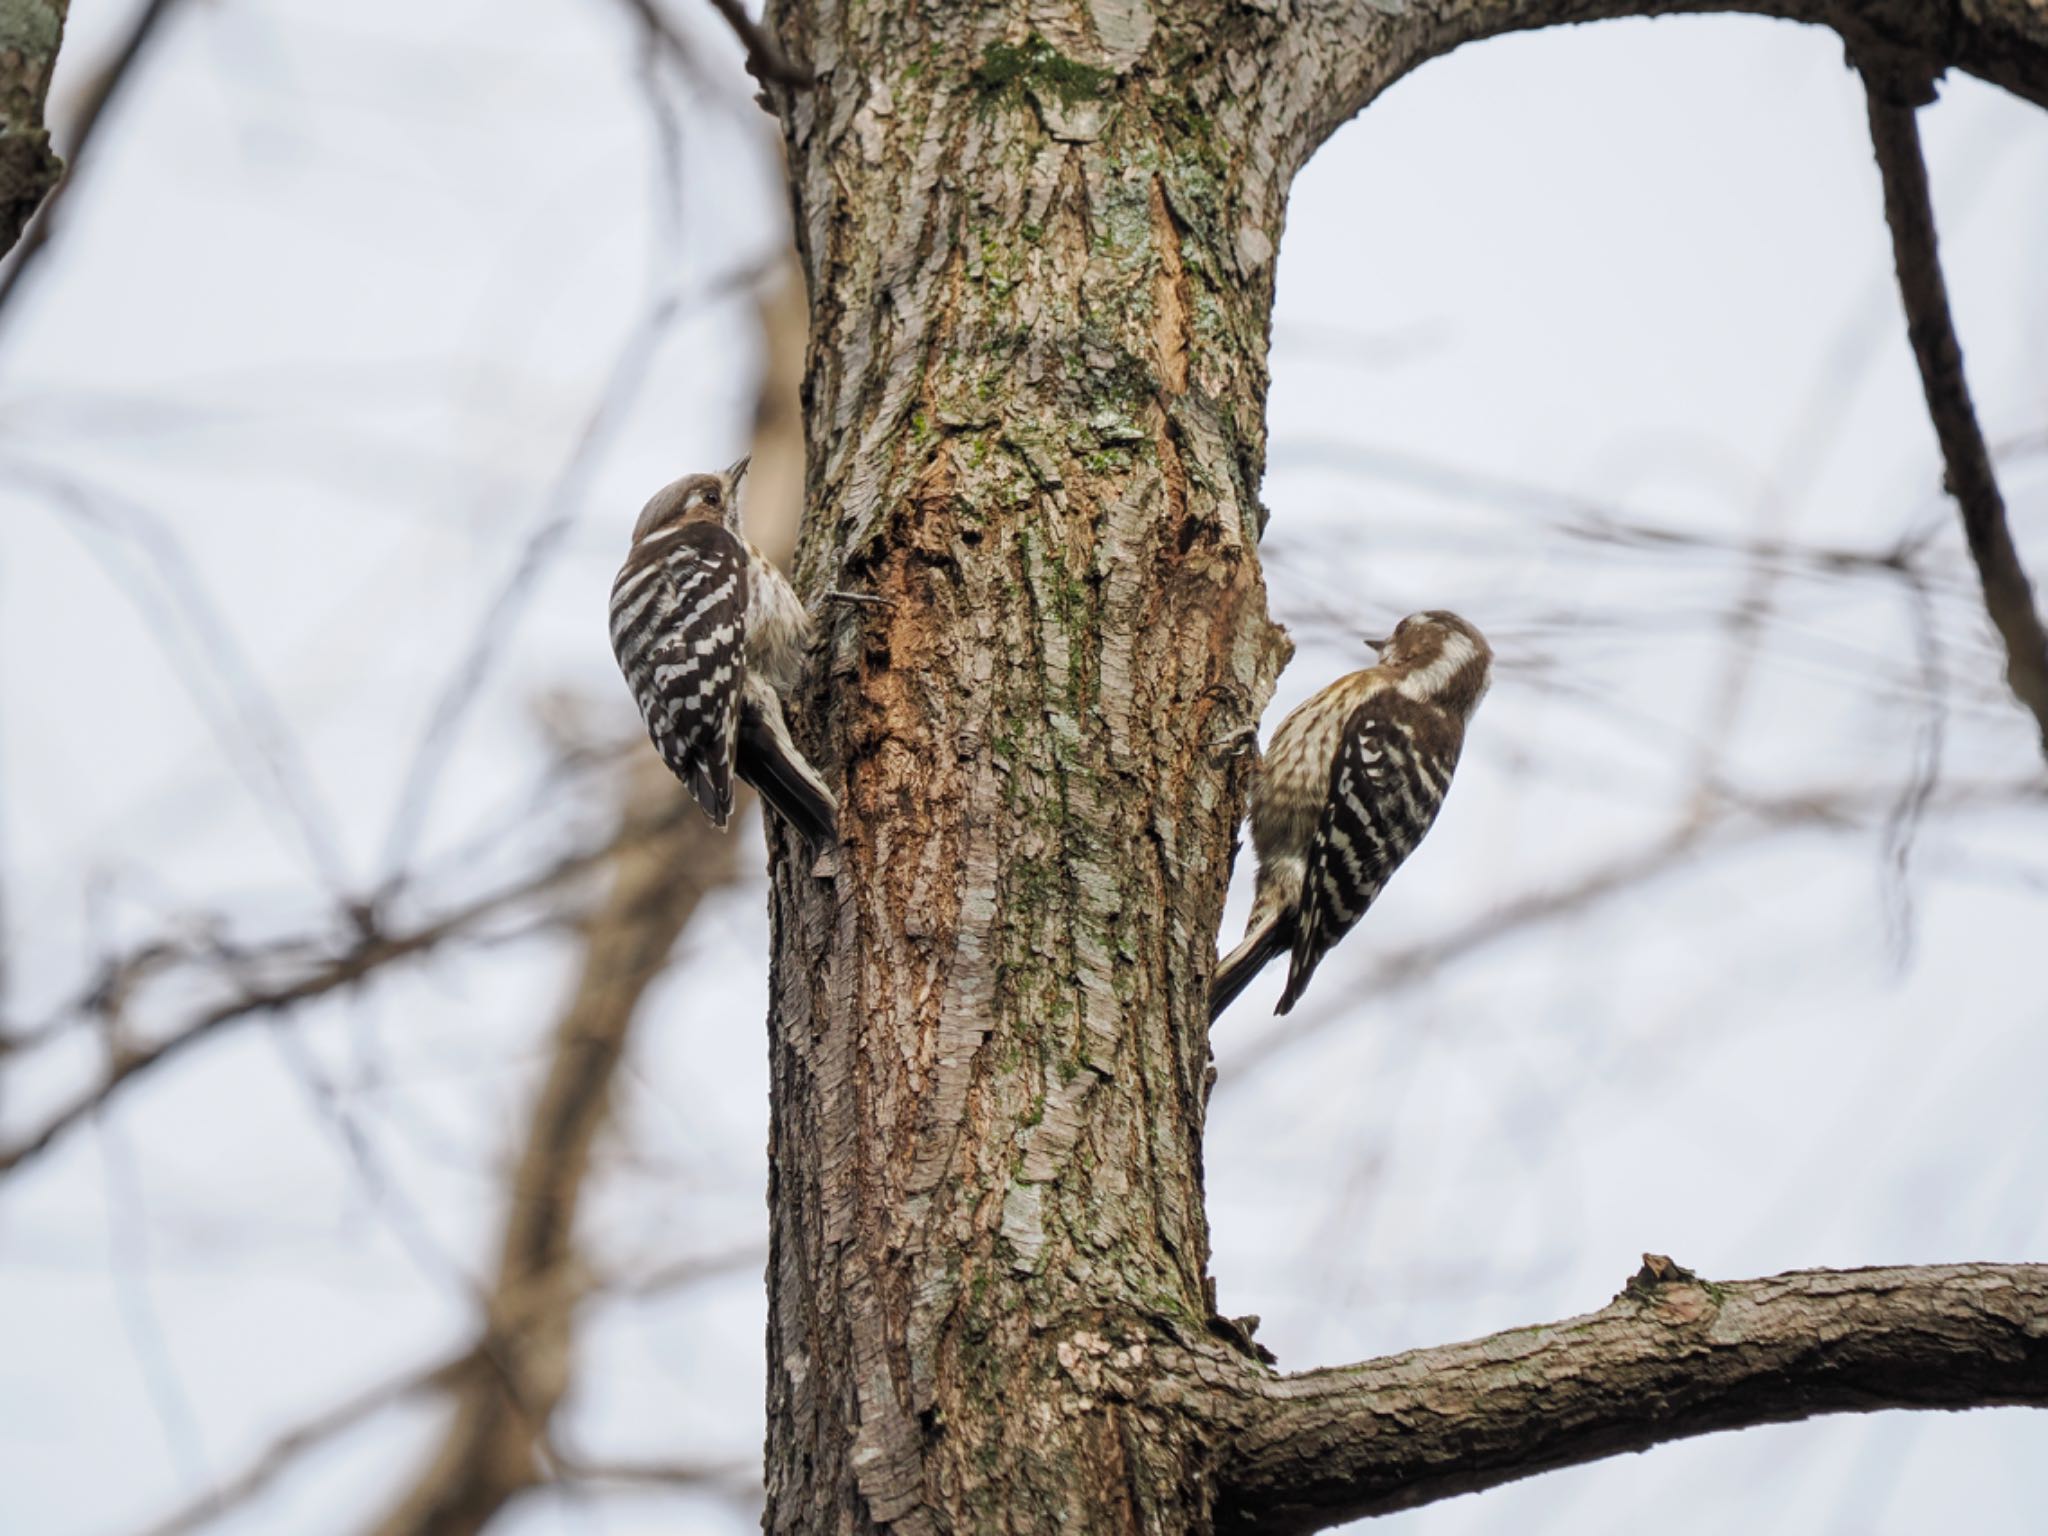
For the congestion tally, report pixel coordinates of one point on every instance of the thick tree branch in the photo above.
(1908, 208)
(1335, 58)
(1672, 1356)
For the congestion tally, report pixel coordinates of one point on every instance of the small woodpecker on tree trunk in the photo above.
(1352, 782)
(711, 637)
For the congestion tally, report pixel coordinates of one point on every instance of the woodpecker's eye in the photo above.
(711, 497)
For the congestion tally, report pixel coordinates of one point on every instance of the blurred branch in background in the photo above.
(1732, 822)
(498, 1443)
(1895, 92)
(501, 1440)
(539, 547)
(275, 977)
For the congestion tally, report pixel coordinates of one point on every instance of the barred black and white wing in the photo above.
(1392, 767)
(679, 611)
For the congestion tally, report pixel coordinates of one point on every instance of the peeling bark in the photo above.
(1039, 250)
(1039, 310)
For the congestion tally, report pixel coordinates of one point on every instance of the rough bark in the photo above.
(30, 31)
(1037, 378)
(1039, 247)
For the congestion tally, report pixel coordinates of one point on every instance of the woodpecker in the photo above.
(711, 637)
(1349, 786)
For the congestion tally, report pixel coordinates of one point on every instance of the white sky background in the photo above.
(335, 306)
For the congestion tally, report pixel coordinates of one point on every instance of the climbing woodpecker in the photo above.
(711, 638)
(1350, 784)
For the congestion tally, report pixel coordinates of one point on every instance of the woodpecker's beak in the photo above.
(1381, 643)
(737, 471)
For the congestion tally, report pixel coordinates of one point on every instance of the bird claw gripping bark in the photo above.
(1239, 743)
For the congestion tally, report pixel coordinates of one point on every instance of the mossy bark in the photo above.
(1035, 401)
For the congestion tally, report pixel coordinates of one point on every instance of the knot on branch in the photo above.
(1896, 74)
(1670, 1292)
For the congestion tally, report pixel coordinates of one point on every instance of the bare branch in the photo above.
(366, 953)
(1671, 1357)
(559, 512)
(285, 1452)
(497, 1444)
(737, 1481)
(680, 1273)
(1333, 60)
(1728, 822)
(1894, 95)
(766, 61)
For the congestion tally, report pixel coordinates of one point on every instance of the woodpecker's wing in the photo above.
(679, 612)
(1391, 770)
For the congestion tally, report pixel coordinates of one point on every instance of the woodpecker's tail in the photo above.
(1299, 968)
(790, 787)
(1268, 938)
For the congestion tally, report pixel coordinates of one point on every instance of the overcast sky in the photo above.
(306, 375)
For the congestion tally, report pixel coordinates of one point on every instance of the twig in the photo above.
(544, 539)
(128, 1264)
(681, 1273)
(1893, 95)
(368, 953)
(766, 61)
(497, 1445)
(1733, 821)
(284, 1452)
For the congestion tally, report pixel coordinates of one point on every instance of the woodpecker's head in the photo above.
(1437, 658)
(694, 499)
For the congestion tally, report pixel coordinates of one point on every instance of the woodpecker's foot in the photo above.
(863, 598)
(1236, 744)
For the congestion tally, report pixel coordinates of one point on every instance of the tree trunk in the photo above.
(1040, 256)
(1035, 406)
